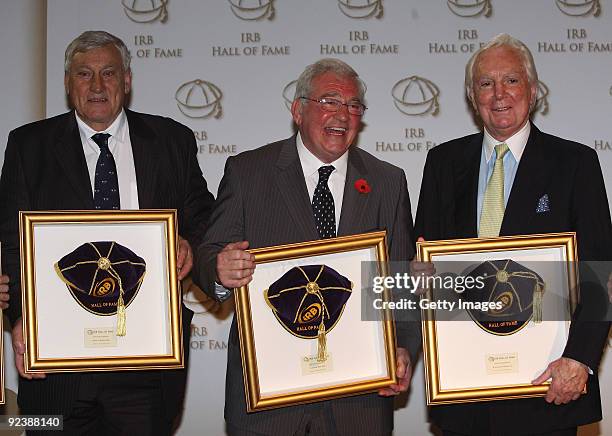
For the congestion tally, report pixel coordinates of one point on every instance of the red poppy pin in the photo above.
(362, 186)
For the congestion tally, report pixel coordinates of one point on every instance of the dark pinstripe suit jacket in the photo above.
(45, 169)
(263, 199)
(569, 173)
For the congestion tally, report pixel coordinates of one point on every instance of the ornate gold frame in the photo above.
(426, 251)
(33, 362)
(255, 400)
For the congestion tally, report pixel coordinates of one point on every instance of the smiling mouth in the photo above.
(337, 131)
(97, 100)
(501, 109)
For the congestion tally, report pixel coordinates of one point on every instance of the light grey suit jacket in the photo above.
(263, 199)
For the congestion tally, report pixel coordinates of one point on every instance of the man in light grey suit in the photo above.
(275, 195)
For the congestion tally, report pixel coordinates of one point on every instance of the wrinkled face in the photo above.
(328, 134)
(503, 95)
(97, 85)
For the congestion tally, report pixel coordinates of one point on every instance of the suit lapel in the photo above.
(70, 155)
(466, 197)
(145, 149)
(353, 203)
(292, 186)
(532, 176)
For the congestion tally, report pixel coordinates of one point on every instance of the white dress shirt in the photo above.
(120, 146)
(310, 167)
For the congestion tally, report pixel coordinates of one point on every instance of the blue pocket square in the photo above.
(543, 204)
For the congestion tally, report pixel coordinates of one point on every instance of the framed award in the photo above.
(100, 290)
(502, 320)
(300, 323)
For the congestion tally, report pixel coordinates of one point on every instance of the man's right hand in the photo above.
(19, 351)
(235, 266)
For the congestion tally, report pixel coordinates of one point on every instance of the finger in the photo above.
(230, 255)
(20, 367)
(387, 392)
(543, 377)
(237, 283)
(185, 269)
(242, 245)
(4, 279)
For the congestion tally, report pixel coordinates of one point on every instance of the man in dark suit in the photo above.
(544, 184)
(56, 164)
(274, 195)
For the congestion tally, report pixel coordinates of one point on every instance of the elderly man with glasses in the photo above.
(299, 189)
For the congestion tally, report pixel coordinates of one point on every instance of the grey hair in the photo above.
(501, 40)
(303, 87)
(92, 39)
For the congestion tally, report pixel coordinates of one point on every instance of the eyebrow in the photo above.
(337, 95)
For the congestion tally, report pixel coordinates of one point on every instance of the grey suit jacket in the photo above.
(263, 199)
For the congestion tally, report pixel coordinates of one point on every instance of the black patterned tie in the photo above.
(106, 184)
(323, 205)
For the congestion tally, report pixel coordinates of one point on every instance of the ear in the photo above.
(127, 81)
(66, 80)
(534, 95)
(296, 111)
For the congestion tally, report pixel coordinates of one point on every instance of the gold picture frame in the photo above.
(62, 334)
(276, 364)
(445, 350)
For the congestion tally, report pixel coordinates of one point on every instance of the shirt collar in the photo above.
(516, 143)
(311, 163)
(117, 129)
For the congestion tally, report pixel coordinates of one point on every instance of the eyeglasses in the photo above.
(333, 105)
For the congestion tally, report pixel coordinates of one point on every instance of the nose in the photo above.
(96, 83)
(500, 90)
(343, 112)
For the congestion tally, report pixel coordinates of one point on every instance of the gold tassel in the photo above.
(322, 343)
(121, 330)
(537, 304)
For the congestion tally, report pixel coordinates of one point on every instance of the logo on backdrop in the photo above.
(416, 96)
(610, 90)
(199, 99)
(253, 10)
(141, 11)
(361, 8)
(289, 93)
(470, 8)
(579, 8)
(541, 104)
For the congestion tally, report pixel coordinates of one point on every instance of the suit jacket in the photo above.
(45, 169)
(569, 173)
(263, 199)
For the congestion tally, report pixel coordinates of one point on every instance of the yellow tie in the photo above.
(493, 205)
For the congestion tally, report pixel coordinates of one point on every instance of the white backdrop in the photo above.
(225, 68)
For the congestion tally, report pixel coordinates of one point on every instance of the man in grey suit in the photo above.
(299, 189)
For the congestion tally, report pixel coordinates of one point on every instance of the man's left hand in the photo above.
(4, 295)
(184, 258)
(569, 378)
(403, 372)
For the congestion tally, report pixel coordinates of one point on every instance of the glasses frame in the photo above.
(323, 100)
